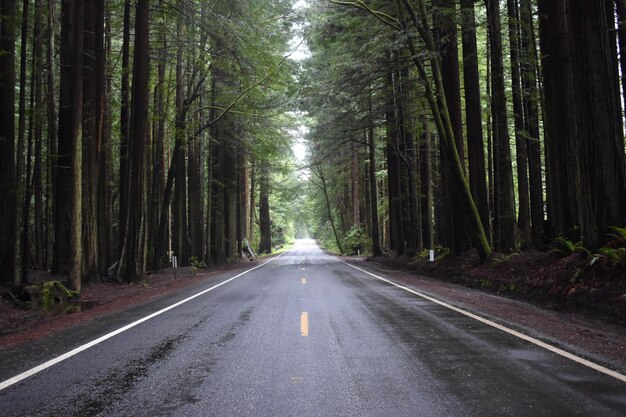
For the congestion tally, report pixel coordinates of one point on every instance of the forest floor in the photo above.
(573, 282)
(582, 306)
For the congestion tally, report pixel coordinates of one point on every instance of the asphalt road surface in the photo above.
(303, 335)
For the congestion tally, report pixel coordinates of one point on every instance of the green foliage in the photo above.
(566, 247)
(356, 242)
(502, 259)
(619, 233)
(54, 292)
(196, 263)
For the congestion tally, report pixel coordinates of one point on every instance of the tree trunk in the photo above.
(376, 249)
(38, 186)
(446, 38)
(426, 187)
(523, 220)
(601, 182)
(473, 115)
(90, 145)
(354, 176)
(530, 100)
(74, 126)
(7, 140)
(52, 160)
(103, 111)
(132, 262)
(19, 266)
(559, 83)
(504, 213)
(124, 125)
(265, 244)
(396, 227)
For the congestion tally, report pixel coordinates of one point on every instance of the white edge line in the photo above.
(14, 380)
(505, 329)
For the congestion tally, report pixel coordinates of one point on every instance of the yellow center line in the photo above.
(304, 323)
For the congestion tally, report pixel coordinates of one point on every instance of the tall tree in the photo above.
(583, 142)
(132, 262)
(504, 210)
(530, 99)
(523, 204)
(8, 203)
(473, 114)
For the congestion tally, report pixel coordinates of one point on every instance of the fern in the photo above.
(566, 247)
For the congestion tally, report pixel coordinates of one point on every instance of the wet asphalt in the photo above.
(304, 335)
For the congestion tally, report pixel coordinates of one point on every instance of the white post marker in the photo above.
(174, 262)
(432, 255)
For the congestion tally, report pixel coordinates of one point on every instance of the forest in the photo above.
(132, 131)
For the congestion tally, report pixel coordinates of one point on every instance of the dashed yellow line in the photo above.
(304, 323)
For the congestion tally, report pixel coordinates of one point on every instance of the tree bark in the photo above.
(124, 125)
(132, 262)
(90, 145)
(7, 140)
(446, 38)
(531, 100)
(265, 244)
(523, 219)
(504, 213)
(473, 115)
(376, 249)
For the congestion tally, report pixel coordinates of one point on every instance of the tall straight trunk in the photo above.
(38, 111)
(426, 186)
(504, 213)
(473, 114)
(218, 233)
(52, 159)
(7, 140)
(124, 125)
(245, 196)
(600, 180)
(102, 99)
(159, 149)
(265, 244)
(230, 181)
(559, 83)
(620, 6)
(376, 249)
(180, 245)
(252, 213)
(523, 220)
(74, 128)
(446, 37)
(396, 227)
(90, 146)
(63, 192)
(133, 254)
(354, 177)
(531, 100)
(241, 199)
(19, 266)
(196, 215)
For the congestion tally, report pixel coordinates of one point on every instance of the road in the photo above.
(303, 335)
